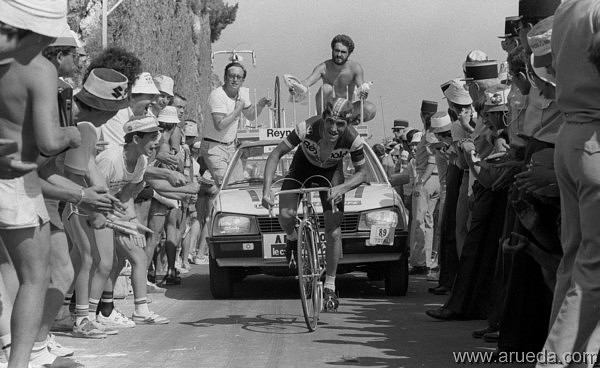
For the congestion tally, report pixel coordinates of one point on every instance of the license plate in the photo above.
(274, 246)
(381, 235)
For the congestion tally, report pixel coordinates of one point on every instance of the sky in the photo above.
(407, 48)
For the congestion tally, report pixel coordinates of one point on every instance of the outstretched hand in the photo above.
(11, 168)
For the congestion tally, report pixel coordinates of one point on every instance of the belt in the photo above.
(216, 141)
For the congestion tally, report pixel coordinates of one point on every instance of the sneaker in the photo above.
(88, 330)
(63, 323)
(107, 330)
(115, 320)
(330, 300)
(291, 253)
(201, 260)
(56, 348)
(45, 359)
(152, 288)
(151, 319)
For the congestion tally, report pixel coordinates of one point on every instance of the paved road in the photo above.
(263, 327)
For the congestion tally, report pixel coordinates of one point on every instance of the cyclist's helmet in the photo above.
(339, 108)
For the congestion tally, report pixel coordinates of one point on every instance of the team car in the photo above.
(244, 240)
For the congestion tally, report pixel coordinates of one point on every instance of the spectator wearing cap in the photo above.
(428, 108)
(470, 297)
(457, 176)
(165, 86)
(95, 100)
(525, 313)
(398, 128)
(227, 104)
(141, 95)
(574, 317)
(412, 139)
(439, 139)
(542, 76)
(424, 201)
(385, 159)
(124, 168)
(453, 213)
(510, 39)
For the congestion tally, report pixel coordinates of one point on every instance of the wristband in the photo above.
(82, 197)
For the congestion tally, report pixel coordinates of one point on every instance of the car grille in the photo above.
(271, 224)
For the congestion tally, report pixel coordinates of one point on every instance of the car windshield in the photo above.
(248, 167)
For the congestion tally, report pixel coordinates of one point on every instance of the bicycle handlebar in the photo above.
(303, 191)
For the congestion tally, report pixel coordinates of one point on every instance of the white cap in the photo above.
(145, 84)
(164, 84)
(168, 115)
(440, 122)
(416, 138)
(144, 124)
(457, 93)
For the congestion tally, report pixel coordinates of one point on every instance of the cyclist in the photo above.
(324, 142)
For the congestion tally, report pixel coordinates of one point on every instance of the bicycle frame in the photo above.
(311, 261)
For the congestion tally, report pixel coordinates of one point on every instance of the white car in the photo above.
(243, 239)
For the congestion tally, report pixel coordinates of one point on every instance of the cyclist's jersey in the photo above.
(307, 134)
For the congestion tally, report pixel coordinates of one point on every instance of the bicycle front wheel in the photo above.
(311, 289)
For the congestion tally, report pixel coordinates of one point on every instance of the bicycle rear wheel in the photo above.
(311, 288)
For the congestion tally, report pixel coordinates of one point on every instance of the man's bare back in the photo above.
(28, 108)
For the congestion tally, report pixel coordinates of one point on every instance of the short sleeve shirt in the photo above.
(424, 155)
(111, 164)
(220, 103)
(308, 134)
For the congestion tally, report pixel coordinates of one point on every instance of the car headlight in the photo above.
(226, 224)
(385, 217)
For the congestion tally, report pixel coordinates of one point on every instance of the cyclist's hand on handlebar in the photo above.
(336, 194)
(267, 200)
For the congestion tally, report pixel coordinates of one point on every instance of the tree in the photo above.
(221, 15)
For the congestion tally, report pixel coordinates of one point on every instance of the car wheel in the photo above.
(221, 280)
(396, 276)
(375, 273)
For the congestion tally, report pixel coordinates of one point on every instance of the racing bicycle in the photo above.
(310, 260)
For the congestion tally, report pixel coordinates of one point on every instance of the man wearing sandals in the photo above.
(324, 142)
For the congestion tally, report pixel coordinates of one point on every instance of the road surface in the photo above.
(262, 326)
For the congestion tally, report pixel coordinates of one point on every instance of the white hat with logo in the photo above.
(165, 84)
(440, 122)
(144, 84)
(105, 90)
(496, 98)
(168, 115)
(539, 39)
(145, 124)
